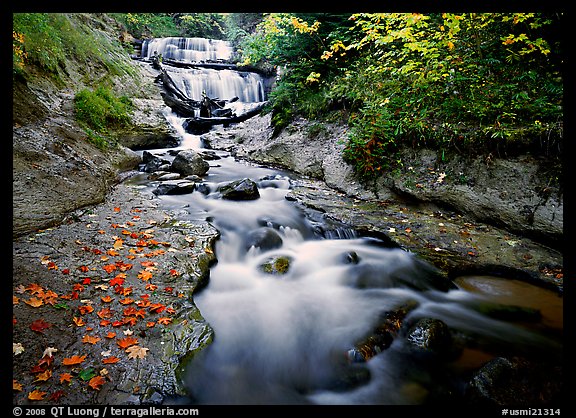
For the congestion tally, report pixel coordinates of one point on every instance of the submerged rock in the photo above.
(277, 265)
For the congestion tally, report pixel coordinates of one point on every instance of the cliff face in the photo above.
(518, 194)
(55, 167)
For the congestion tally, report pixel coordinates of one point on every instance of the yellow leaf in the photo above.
(16, 386)
(36, 395)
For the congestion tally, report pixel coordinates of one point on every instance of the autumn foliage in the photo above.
(106, 303)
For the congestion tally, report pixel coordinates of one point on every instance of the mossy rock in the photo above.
(277, 265)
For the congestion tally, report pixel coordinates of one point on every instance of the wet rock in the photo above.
(351, 258)
(265, 238)
(244, 189)
(181, 187)
(168, 176)
(382, 336)
(432, 336)
(188, 162)
(277, 265)
(515, 381)
(152, 162)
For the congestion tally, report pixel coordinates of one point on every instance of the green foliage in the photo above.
(469, 83)
(36, 40)
(148, 25)
(98, 110)
(46, 41)
(157, 25)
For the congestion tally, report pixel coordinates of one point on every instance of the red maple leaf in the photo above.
(40, 325)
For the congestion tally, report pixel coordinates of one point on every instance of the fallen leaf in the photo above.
(42, 377)
(65, 377)
(34, 302)
(55, 397)
(157, 307)
(118, 244)
(106, 299)
(144, 275)
(126, 301)
(164, 320)
(40, 325)
(49, 351)
(126, 342)
(85, 309)
(136, 351)
(16, 386)
(105, 313)
(36, 395)
(74, 360)
(78, 321)
(17, 348)
(110, 335)
(96, 382)
(89, 339)
(111, 360)
(15, 300)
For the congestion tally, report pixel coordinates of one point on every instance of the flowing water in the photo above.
(289, 336)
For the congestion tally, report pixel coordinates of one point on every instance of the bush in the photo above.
(99, 109)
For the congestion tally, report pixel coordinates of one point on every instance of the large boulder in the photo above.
(243, 189)
(189, 162)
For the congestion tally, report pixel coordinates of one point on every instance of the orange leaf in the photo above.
(65, 377)
(34, 302)
(42, 377)
(96, 382)
(89, 339)
(150, 324)
(105, 323)
(79, 321)
(145, 275)
(110, 360)
(105, 313)
(118, 244)
(109, 268)
(106, 299)
(17, 386)
(116, 209)
(74, 360)
(126, 342)
(130, 320)
(112, 253)
(36, 395)
(164, 320)
(126, 301)
(151, 287)
(85, 309)
(111, 335)
(157, 307)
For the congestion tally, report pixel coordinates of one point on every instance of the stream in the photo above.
(294, 303)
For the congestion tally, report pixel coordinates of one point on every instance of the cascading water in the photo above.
(244, 90)
(289, 303)
(224, 84)
(188, 49)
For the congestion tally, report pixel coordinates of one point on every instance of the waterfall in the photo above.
(222, 84)
(188, 49)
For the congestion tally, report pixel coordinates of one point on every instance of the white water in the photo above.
(188, 49)
(222, 84)
(282, 339)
